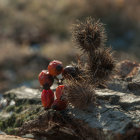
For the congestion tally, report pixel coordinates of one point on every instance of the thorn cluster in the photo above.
(101, 65)
(80, 95)
(89, 35)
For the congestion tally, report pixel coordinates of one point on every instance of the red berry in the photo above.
(59, 105)
(45, 78)
(55, 67)
(47, 98)
(59, 91)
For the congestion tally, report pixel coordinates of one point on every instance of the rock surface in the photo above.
(116, 115)
(127, 78)
(17, 106)
(127, 68)
(23, 93)
(134, 85)
(8, 137)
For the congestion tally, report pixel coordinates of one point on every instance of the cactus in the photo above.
(89, 35)
(101, 65)
(80, 95)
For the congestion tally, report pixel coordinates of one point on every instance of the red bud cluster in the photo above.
(46, 80)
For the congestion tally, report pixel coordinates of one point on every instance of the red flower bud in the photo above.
(59, 105)
(55, 67)
(59, 91)
(45, 78)
(47, 98)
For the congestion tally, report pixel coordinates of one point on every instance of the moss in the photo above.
(20, 102)
(10, 130)
(27, 102)
(22, 113)
(38, 109)
(18, 122)
(10, 121)
(35, 111)
(18, 109)
(10, 96)
(10, 108)
(2, 125)
(32, 101)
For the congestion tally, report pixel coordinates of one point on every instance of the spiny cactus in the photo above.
(79, 94)
(89, 35)
(101, 65)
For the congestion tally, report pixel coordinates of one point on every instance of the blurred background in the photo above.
(34, 32)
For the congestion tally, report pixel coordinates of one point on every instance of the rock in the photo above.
(10, 137)
(2, 133)
(28, 136)
(3, 102)
(116, 117)
(23, 93)
(134, 86)
(127, 79)
(118, 84)
(127, 68)
(18, 105)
